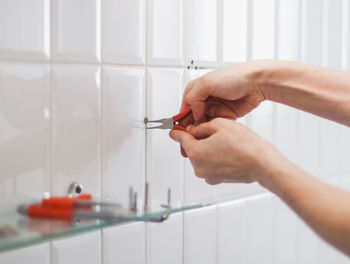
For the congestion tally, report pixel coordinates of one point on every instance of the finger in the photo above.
(188, 120)
(188, 88)
(196, 99)
(212, 181)
(203, 130)
(220, 109)
(185, 139)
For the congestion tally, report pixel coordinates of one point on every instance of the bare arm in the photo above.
(316, 90)
(234, 91)
(222, 151)
(325, 208)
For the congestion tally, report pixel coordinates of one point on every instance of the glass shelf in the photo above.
(18, 231)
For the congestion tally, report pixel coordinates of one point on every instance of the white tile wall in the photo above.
(76, 127)
(24, 30)
(165, 19)
(164, 242)
(124, 244)
(263, 29)
(78, 77)
(123, 31)
(201, 24)
(70, 17)
(232, 232)
(24, 136)
(38, 254)
(85, 248)
(123, 131)
(235, 30)
(200, 236)
(164, 162)
(259, 229)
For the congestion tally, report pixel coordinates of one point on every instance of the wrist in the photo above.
(269, 76)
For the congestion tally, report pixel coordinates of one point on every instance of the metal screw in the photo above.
(75, 189)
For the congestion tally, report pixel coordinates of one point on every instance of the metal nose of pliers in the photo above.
(165, 123)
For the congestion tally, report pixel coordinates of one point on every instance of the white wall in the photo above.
(78, 77)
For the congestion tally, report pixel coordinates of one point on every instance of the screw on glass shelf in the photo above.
(75, 189)
(132, 200)
(192, 62)
(145, 206)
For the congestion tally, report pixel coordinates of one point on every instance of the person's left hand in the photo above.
(225, 151)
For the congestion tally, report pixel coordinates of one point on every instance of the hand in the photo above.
(225, 151)
(230, 92)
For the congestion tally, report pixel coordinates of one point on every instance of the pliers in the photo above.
(170, 123)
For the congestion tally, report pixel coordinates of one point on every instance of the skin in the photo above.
(224, 151)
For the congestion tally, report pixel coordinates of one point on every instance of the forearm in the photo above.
(325, 208)
(316, 90)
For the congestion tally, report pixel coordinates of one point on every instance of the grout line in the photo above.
(145, 98)
(219, 32)
(101, 93)
(345, 40)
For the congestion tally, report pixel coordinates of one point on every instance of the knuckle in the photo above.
(206, 81)
(198, 173)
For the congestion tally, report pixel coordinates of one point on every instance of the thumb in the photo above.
(185, 139)
(202, 131)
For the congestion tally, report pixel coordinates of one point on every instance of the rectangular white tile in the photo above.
(24, 122)
(195, 189)
(123, 131)
(165, 36)
(76, 127)
(199, 246)
(85, 248)
(330, 156)
(309, 142)
(345, 35)
(38, 254)
(76, 30)
(201, 32)
(263, 29)
(344, 150)
(259, 226)
(308, 244)
(328, 254)
(123, 31)
(24, 29)
(333, 33)
(235, 30)
(164, 242)
(311, 31)
(287, 131)
(164, 161)
(231, 232)
(124, 244)
(283, 233)
(261, 120)
(288, 29)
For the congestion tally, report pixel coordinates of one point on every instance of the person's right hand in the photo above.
(230, 92)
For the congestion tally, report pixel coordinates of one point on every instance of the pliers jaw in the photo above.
(165, 123)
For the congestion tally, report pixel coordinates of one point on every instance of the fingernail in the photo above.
(189, 128)
(171, 134)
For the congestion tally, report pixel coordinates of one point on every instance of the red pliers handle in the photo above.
(171, 123)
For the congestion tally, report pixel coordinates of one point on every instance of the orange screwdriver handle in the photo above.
(64, 202)
(39, 211)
